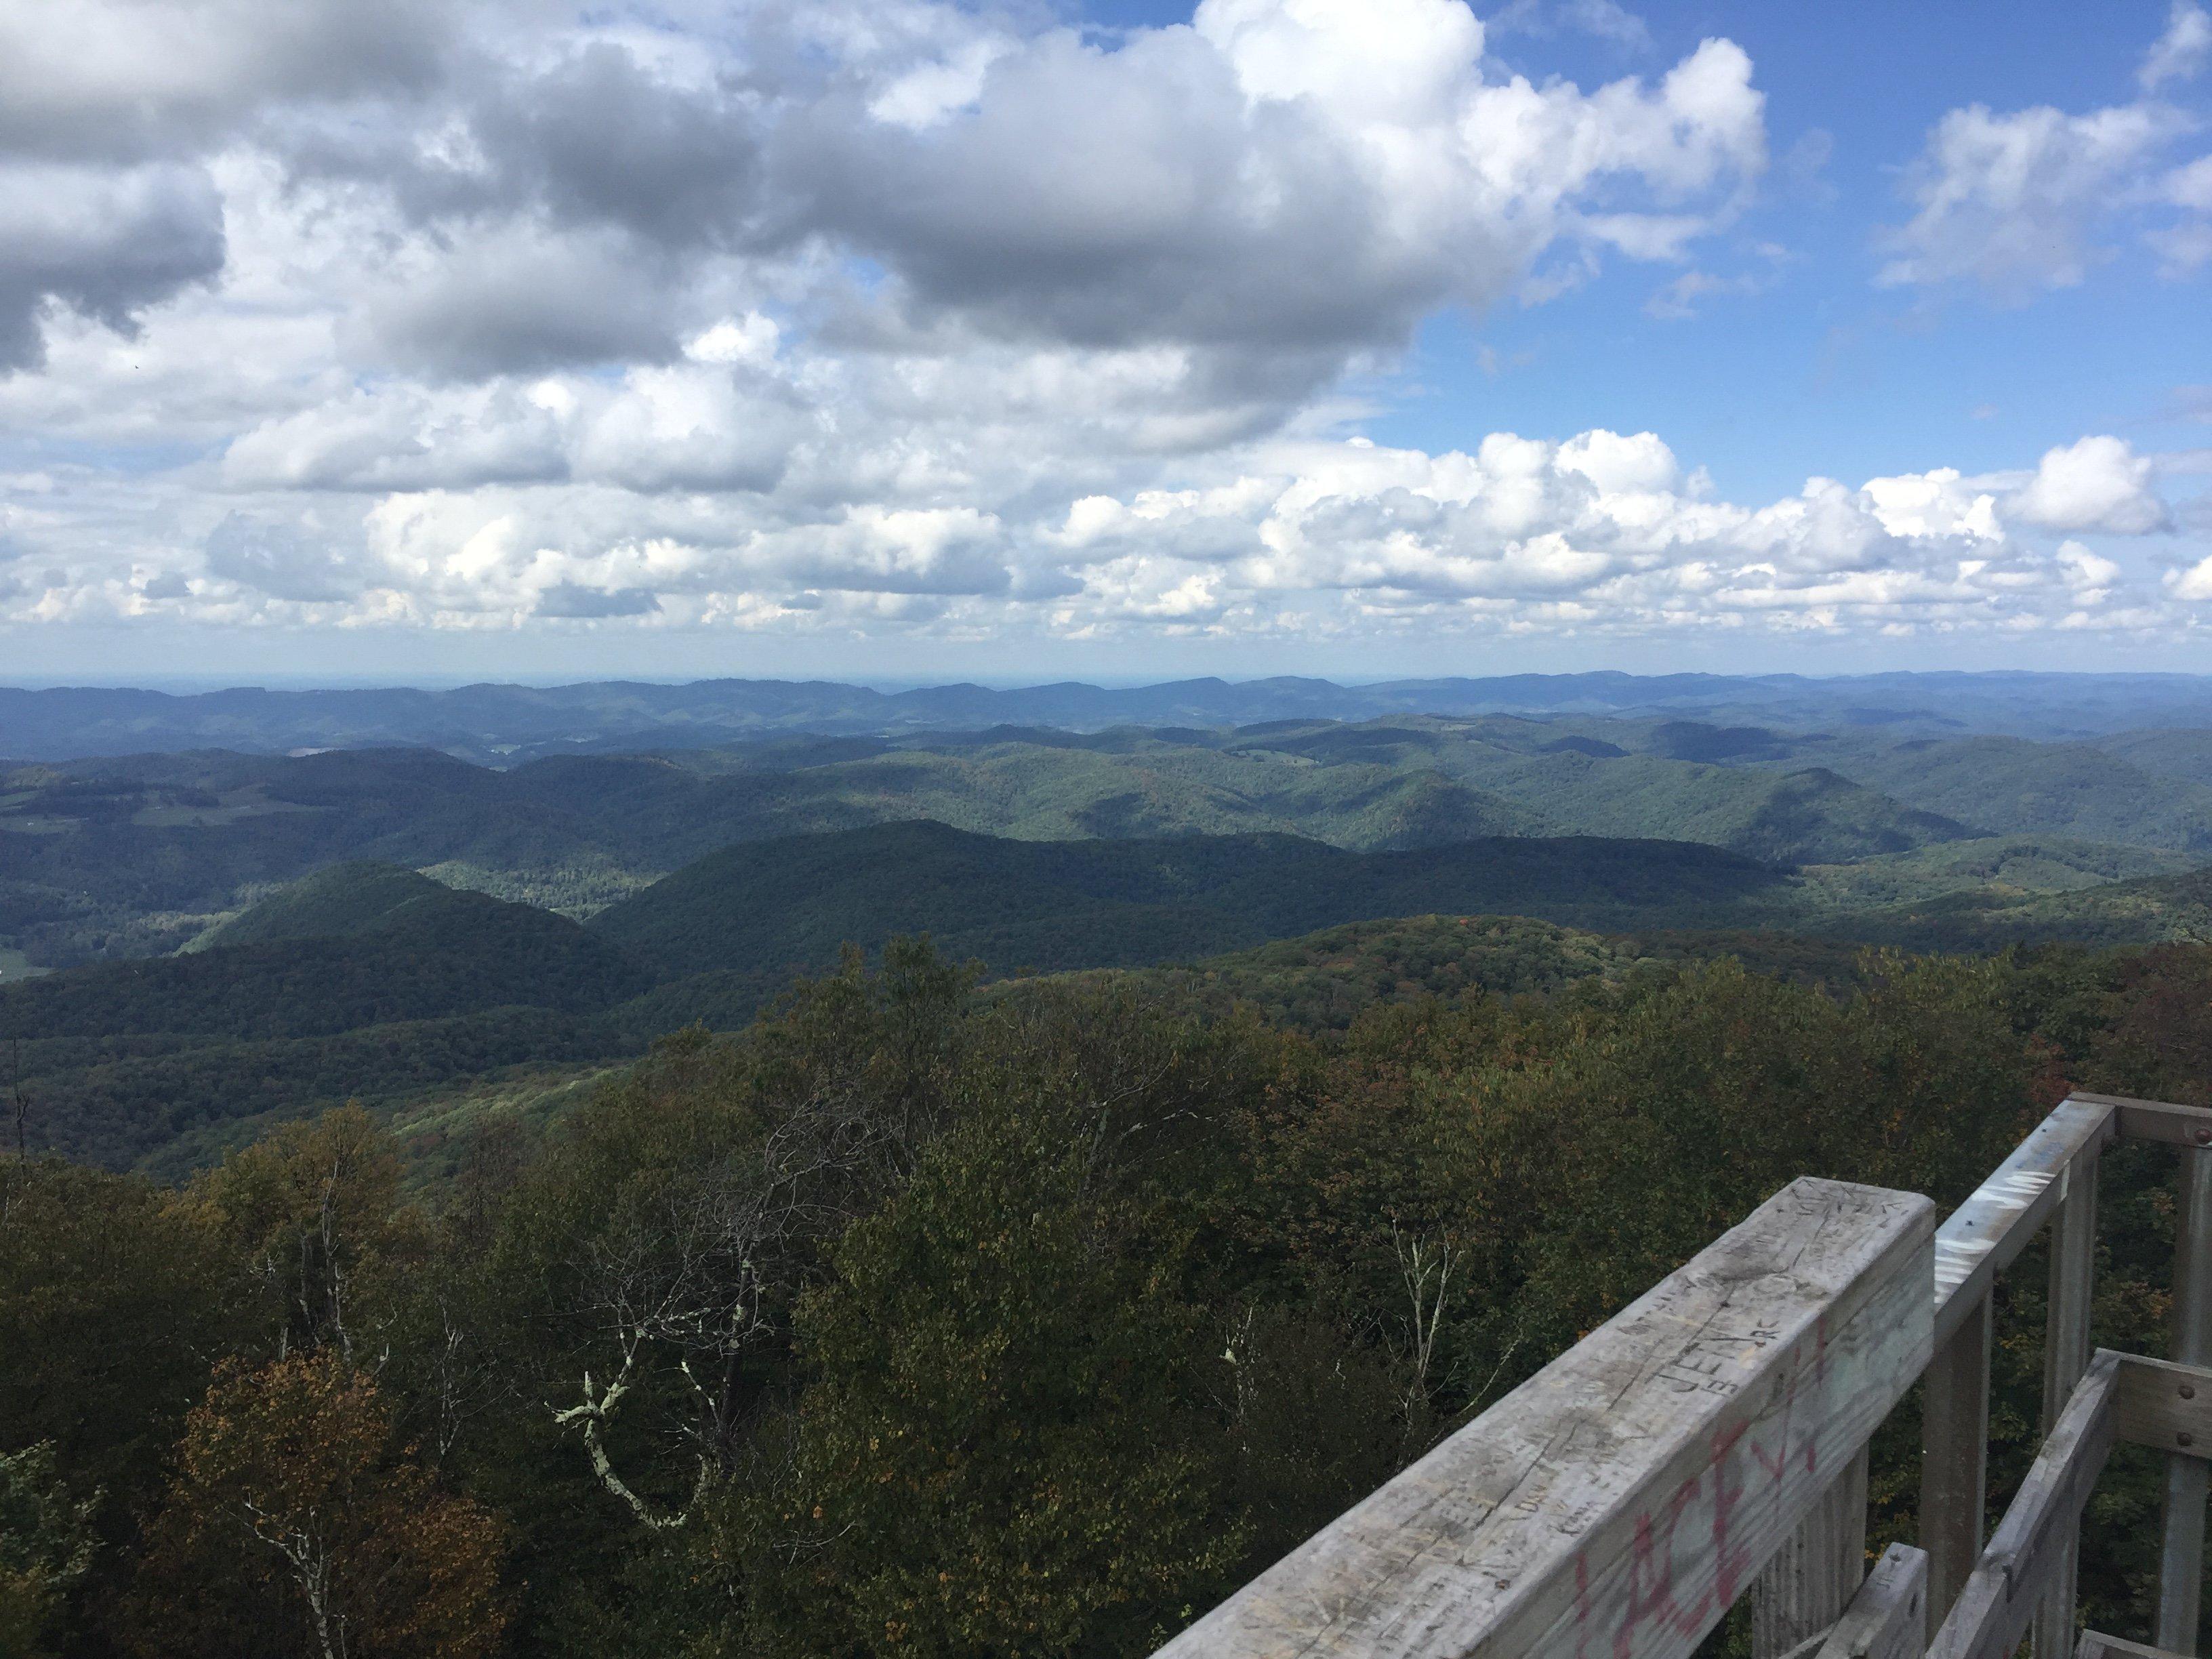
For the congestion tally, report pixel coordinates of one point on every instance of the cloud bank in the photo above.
(844, 318)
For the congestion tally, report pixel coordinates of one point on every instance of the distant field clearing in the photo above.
(15, 965)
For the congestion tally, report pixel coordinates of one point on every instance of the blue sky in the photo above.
(919, 341)
(1823, 370)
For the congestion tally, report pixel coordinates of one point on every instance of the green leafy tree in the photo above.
(314, 1213)
(116, 1300)
(994, 1345)
(45, 1551)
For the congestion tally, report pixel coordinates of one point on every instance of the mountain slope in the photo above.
(1810, 814)
(126, 858)
(791, 902)
(345, 899)
(2147, 910)
(2007, 785)
(436, 956)
(2185, 755)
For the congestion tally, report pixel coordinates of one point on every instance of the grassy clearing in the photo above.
(434, 1131)
(15, 965)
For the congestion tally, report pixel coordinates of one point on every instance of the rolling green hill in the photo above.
(2147, 910)
(2003, 868)
(131, 857)
(2009, 786)
(346, 899)
(434, 956)
(2185, 755)
(370, 979)
(1627, 779)
(409, 985)
(1068, 904)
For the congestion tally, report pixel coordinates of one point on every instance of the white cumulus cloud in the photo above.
(2019, 200)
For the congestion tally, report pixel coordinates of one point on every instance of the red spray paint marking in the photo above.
(1730, 1561)
(1651, 1575)
(1651, 1596)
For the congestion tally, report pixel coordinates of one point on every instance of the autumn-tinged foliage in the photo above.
(922, 1320)
(293, 1524)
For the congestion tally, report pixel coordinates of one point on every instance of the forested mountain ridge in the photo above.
(504, 722)
(1051, 905)
(132, 857)
(372, 981)
(122, 1058)
(360, 983)
(129, 857)
(358, 898)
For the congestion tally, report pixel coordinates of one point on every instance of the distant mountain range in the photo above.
(102, 859)
(236, 935)
(505, 724)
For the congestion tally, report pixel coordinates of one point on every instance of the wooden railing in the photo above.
(1709, 1444)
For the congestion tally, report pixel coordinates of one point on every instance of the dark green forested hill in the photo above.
(357, 897)
(370, 981)
(1068, 904)
(454, 953)
(1326, 979)
(118, 1059)
(133, 856)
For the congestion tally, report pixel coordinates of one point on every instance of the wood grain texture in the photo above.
(2164, 1404)
(1805, 1588)
(1993, 1611)
(1954, 1438)
(1980, 1238)
(2065, 1356)
(1618, 1503)
(1886, 1616)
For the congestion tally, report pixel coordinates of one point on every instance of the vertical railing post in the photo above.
(1811, 1579)
(2181, 1554)
(1954, 1438)
(2065, 1357)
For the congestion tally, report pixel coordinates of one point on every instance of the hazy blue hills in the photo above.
(502, 723)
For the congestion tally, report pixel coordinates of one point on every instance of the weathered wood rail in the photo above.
(1708, 1444)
